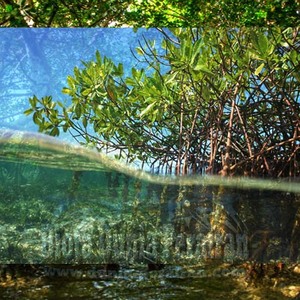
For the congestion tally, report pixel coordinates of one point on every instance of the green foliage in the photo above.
(222, 89)
(175, 13)
(65, 13)
(139, 13)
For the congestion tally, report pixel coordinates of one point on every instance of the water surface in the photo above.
(63, 205)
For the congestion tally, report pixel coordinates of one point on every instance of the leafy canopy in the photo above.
(150, 13)
(223, 99)
(195, 13)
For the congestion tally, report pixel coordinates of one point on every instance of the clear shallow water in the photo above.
(67, 205)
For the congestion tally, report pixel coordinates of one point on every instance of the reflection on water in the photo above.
(62, 204)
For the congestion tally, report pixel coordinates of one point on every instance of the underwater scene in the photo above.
(150, 163)
(72, 214)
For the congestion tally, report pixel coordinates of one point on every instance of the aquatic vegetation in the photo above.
(210, 281)
(6, 176)
(68, 204)
(30, 172)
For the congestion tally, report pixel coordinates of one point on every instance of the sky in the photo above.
(38, 61)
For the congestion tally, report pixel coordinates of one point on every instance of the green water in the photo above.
(64, 205)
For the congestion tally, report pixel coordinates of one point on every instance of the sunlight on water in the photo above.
(43, 150)
(70, 213)
(66, 204)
